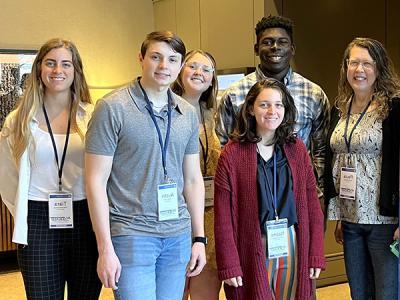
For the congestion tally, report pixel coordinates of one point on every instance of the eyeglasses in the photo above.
(205, 69)
(366, 65)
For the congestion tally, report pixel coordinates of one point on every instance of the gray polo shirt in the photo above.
(121, 127)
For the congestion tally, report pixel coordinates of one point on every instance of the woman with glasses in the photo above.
(197, 84)
(42, 177)
(268, 220)
(362, 168)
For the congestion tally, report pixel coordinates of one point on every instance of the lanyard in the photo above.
(273, 192)
(347, 140)
(163, 145)
(204, 150)
(59, 167)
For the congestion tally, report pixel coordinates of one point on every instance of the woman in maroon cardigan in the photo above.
(268, 220)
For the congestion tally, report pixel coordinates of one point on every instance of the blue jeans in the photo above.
(370, 265)
(152, 267)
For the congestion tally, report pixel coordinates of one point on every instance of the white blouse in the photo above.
(44, 170)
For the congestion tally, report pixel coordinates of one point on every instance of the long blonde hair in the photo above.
(32, 99)
(208, 97)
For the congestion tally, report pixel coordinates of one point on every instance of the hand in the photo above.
(197, 260)
(396, 234)
(339, 233)
(109, 269)
(235, 281)
(314, 273)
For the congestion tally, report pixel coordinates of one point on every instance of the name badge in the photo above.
(167, 196)
(348, 180)
(209, 191)
(277, 238)
(60, 210)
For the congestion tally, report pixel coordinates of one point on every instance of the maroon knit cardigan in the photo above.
(238, 244)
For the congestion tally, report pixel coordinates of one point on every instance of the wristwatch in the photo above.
(200, 239)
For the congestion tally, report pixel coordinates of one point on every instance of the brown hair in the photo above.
(387, 83)
(246, 126)
(165, 36)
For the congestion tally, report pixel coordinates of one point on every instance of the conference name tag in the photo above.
(277, 238)
(60, 210)
(209, 191)
(348, 180)
(167, 196)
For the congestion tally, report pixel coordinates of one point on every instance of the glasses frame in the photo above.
(364, 64)
(210, 70)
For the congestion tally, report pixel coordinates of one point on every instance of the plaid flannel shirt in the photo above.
(312, 113)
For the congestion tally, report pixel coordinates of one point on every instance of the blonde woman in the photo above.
(42, 166)
(197, 84)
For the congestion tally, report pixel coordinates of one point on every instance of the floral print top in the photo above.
(366, 158)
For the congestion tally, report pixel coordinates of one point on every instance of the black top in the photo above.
(284, 188)
(389, 181)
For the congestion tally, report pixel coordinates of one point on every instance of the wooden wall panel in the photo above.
(393, 32)
(188, 23)
(227, 31)
(322, 33)
(6, 229)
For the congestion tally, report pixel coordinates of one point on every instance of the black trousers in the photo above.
(54, 257)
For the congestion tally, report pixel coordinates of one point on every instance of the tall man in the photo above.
(275, 47)
(144, 180)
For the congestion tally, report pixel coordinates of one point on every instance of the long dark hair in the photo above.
(246, 126)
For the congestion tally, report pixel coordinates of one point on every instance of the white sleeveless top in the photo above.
(44, 170)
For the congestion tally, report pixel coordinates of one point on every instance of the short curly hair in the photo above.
(274, 22)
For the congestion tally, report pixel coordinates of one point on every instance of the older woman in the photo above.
(42, 166)
(197, 84)
(362, 168)
(268, 220)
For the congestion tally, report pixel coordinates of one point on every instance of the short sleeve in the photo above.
(103, 130)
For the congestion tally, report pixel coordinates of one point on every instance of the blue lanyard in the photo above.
(273, 192)
(163, 145)
(59, 167)
(348, 140)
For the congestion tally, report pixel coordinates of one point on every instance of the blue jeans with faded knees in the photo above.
(153, 268)
(370, 265)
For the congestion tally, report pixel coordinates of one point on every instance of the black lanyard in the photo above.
(348, 140)
(273, 192)
(59, 167)
(163, 145)
(204, 150)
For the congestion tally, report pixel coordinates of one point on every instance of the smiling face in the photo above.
(197, 75)
(361, 71)
(275, 50)
(57, 71)
(268, 110)
(160, 65)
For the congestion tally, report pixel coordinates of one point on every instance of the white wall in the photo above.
(108, 34)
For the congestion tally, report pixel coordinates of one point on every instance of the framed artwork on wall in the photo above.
(15, 67)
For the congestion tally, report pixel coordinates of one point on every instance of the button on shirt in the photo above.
(121, 127)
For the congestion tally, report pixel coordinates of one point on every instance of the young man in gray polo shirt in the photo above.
(144, 181)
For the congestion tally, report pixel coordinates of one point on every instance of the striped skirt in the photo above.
(282, 272)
